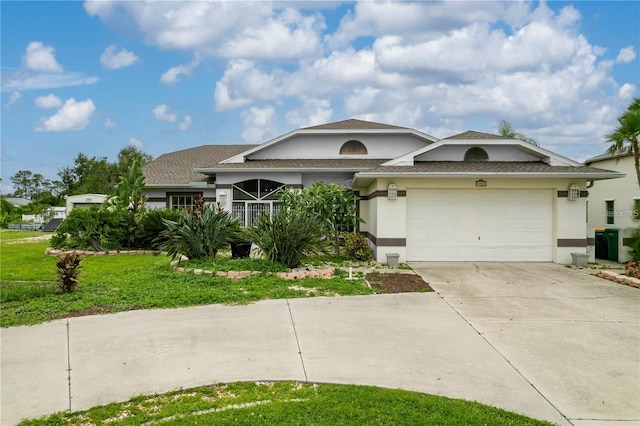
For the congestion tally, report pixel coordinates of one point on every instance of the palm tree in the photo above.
(625, 138)
(508, 131)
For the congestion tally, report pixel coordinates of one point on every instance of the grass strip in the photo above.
(290, 403)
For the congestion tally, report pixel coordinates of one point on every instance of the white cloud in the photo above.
(135, 142)
(108, 122)
(172, 74)
(49, 101)
(122, 59)
(627, 91)
(626, 55)
(161, 112)
(258, 124)
(228, 29)
(312, 113)
(39, 81)
(73, 116)
(13, 98)
(185, 123)
(40, 57)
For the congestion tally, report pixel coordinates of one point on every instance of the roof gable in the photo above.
(351, 128)
(521, 150)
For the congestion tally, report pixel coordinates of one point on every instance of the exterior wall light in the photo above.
(574, 192)
(222, 198)
(481, 183)
(392, 191)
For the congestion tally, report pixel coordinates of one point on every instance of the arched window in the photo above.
(476, 154)
(353, 147)
(253, 198)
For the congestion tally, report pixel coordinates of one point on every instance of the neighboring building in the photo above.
(469, 197)
(614, 206)
(18, 201)
(84, 201)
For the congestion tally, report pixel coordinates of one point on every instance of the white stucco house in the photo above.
(613, 207)
(84, 201)
(469, 197)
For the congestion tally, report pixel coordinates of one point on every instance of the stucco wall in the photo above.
(328, 146)
(495, 153)
(387, 218)
(623, 191)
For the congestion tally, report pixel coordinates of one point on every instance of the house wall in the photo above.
(495, 153)
(84, 200)
(389, 235)
(623, 191)
(158, 198)
(328, 146)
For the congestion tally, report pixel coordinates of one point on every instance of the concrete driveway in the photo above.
(574, 337)
(537, 339)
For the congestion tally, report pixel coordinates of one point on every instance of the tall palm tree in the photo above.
(625, 139)
(508, 131)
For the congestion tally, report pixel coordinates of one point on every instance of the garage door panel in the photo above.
(489, 225)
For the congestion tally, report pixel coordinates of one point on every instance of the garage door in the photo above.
(479, 225)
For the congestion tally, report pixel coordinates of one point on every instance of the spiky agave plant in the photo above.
(68, 268)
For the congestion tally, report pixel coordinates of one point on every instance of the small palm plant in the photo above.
(68, 268)
(199, 235)
(288, 236)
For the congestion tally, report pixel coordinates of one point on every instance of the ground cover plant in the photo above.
(118, 283)
(285, 403)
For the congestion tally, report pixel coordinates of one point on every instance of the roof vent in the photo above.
(476, 154)
(353, 147)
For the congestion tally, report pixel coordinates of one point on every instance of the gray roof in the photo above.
(353, 124)
(471, 134)
(486, 167)
(333, 164)
(178, 167)
(605, 156)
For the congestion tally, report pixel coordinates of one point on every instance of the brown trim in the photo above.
(572, 242)
(627, 242)
(565, 194)
(386, 242)
(157, 200)
(223, 186)
(376, 194)
(293, 185)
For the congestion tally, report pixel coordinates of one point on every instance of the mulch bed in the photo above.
(397, 283)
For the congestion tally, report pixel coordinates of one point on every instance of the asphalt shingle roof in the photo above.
(353, 124)
(471, 134)
(178, 167)
(341, 163)
(485, 167)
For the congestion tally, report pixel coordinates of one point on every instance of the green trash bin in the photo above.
(611, 235)
(602, 249)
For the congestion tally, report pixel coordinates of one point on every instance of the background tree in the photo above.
(127, 156)
(507, 130)
(22, 181)
(625, 138)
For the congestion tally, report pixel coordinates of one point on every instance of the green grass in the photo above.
(14, 234)
(290, 403)
(119, 283)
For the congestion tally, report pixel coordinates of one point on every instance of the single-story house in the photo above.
(469, 197)
(614, 207)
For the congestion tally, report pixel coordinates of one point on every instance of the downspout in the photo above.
(590, 184)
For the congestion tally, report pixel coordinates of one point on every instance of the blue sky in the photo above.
(95, 77)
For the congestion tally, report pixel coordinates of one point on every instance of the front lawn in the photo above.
(124, 282)
(290, 403)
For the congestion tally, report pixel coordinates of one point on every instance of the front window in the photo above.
(182, 201)
(253, 198)
(610, 212)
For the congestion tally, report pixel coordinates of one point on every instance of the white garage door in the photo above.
(479, 225)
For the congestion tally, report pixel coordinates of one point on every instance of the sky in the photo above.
(97, 76)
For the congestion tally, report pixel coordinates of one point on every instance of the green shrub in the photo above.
(94, 229)
(199, 235)
(289, 236)
(634, 245)
(68, 268)
(356, 247)
(151, 226)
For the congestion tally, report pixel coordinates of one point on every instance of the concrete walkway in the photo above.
(537, 339)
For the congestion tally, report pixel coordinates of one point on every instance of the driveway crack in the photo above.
(69, 363)
(295, 333)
